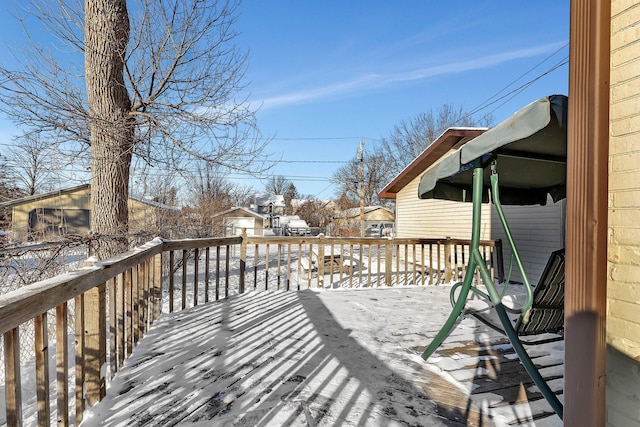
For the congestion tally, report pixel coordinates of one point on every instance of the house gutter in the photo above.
(587, 193)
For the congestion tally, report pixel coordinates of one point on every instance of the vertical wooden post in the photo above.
(42, 368)
(196, 267)
(447, 260)
(13, 383)
(184, 278)
(227, 256)
(113, 327)
(266, 268)
(243, 259)
(79, 358)
(95, 352)
(129, 304)
(157, 285)
(388, 260)
(62, 364)
(587, 199)
(207, 275)
(120, 318)
(172, 280)
(320, 261)
(218, 274)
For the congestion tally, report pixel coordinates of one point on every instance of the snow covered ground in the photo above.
(316, 358)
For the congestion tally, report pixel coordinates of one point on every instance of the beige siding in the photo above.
(20, 217)
(623, 287)
(435, 218)
(537, 231)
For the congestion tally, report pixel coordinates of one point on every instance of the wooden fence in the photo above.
(99, 313)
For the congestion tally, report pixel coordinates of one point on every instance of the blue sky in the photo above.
(328, 74)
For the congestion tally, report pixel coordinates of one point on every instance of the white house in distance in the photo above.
(537, 230)
(269, 204)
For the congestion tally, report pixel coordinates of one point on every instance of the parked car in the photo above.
(297, 227)
(384, 229)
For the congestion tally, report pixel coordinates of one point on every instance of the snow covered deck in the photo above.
(314, 358)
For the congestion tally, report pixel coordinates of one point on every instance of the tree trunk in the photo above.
(112, 131)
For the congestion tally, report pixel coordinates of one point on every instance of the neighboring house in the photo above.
(236, 219)
(537, 230)
(269, 204)
(347, 222)
(68, 211)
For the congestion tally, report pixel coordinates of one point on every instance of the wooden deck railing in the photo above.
(99, 313)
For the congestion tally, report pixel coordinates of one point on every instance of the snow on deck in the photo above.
(320, 358)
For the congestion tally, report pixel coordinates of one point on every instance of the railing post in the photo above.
(388, 261)
(95, 350)
(243, 258)
(320, 260)
(157, 286)
(447, 260)
(13, 382)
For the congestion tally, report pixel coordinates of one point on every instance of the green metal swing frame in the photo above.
(477, 265)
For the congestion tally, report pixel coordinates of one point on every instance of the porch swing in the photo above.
(525, 159)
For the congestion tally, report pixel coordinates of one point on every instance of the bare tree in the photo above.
(277, 185)
(163, 79)
(348, 178)
(31, 158)
(409, 139)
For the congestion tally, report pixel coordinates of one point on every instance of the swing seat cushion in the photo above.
(547, 311)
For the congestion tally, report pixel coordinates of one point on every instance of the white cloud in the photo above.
(368, 81)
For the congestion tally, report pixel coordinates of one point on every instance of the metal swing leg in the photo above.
(476, 262)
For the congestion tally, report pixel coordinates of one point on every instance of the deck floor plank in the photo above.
(306, 358)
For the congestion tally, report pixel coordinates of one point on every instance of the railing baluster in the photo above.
(206, 274)
(196, 266)
(288, 266)
(255, 267)
(217, 273)
(184, 279)
(157, 286)
(369, 265)
(135, 285)
(226, 272)
(13, 382)
(121, 315)
(62, 364)
(278, 265)
(62, 367)
(129, 305)
(42, 368)
(113, 328)
(171, 280)
(266, 268)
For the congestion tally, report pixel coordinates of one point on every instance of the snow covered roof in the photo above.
(240, 208)
(263, 199)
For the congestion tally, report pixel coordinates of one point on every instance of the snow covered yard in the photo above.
(316, 358)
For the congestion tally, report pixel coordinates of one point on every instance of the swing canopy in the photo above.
(530, 154)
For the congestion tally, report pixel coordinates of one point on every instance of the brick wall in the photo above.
(623, 321)
(623, 287)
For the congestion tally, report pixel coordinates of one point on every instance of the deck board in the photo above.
(346, 357)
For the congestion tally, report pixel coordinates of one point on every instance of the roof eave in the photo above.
(450, 139)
